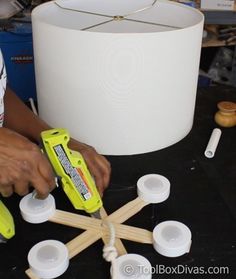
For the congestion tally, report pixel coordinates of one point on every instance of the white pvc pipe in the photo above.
(213, 142)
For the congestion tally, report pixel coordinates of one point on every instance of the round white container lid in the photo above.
(35, 210)
(132, 266)
(172, 238)
(153, 188)
(48, 259)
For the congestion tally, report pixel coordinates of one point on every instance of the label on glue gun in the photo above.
(74, 173)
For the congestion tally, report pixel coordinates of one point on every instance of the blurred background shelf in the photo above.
(216, 43)
(220, 17)
(223, 17)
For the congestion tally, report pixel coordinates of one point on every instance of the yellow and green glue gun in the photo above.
(77, 182)
(7, 228)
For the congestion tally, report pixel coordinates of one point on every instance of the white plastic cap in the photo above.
(153, 188)
(48, 259)
(35, 210)
(130, 266)
(172, 239)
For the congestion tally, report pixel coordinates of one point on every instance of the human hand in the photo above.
(97, 164)
(22, 165)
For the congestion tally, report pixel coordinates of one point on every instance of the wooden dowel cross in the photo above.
(95, 229)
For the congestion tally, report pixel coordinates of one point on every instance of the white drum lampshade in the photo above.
(119, 75)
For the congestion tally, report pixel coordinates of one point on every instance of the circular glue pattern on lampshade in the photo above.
(119, 75)
(121, 67)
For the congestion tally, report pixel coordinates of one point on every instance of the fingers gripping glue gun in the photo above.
(7, 228)
(70, 166)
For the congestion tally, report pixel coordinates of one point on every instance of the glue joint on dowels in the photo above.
(213, 142)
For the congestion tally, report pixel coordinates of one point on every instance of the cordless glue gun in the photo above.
(7, 228)
(71, 168)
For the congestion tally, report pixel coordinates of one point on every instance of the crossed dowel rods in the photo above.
(96, 229)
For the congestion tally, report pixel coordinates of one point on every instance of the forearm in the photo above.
(20, 118)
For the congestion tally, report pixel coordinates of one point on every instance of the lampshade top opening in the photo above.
(143, 16)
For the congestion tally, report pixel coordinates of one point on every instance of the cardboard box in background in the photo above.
(217, 4)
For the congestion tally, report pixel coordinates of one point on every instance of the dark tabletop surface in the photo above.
(203, 196)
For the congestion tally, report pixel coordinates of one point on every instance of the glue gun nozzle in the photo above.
(96, 214)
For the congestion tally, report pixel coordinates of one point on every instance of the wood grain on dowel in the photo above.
(81, 242)
(85, 222)
(133, 233)
(75, 220)
(88, 223)
(126, 211)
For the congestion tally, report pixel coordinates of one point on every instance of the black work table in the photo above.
(203, 196)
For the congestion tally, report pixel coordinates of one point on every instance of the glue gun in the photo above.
(71, 168)
(7, 228)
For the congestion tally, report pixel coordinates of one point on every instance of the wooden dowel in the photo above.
(103, 213)
(128, 210)
(88, 223)
(85, 222)
(81, 242)
(133, 233)
(75, 220)
(30, 274)
(95, 229)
